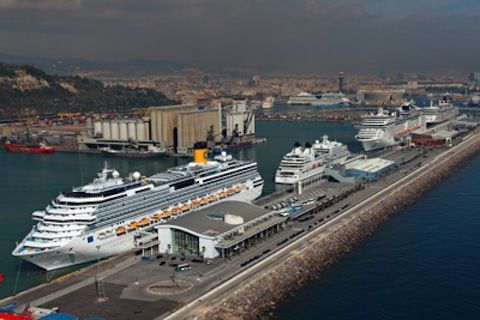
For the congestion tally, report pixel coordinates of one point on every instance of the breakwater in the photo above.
(257, 298)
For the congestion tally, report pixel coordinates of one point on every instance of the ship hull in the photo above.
(80, 251)
(24, 148)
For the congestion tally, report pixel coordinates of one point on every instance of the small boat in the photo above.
(204, 201)
(120, 230)
(230, 191)
(143, 222)
(185, 207)
(176, 210)
(166, 214)
(195, 203)
(132, 226)
(223, 194)
(237, 188)
(212, 198)
(157, 216)
(151, 152)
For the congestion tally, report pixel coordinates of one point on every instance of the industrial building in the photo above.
(122, 130)
(238, 120)
(221, 230)
(369, 169)
(180, 126)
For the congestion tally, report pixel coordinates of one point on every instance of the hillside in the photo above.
(26, 91)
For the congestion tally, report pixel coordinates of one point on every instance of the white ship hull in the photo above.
(280, 179)
(79, 251)
(377, 144)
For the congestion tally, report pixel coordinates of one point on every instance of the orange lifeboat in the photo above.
(121, 230)
(195, 203)
(237, 188)
(166, 214)
(204, 201)
(132, 226)
(185, 207)
(212, 198)
(230, 191)
(176, 210)
(143, 222)
(222, 194)
(157, 216)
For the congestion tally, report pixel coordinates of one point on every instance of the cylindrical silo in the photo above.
(141, 131)
(132, 130)
(114, 132)
(106, 130)
(123, 130)
(97, 128)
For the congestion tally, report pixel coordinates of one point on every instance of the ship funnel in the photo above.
(308, 145)
(200, 152)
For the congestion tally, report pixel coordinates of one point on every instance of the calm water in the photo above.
(29, 182)
(424, 263)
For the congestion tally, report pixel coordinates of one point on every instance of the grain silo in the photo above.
(123, 130)
(106, 130)
(114, 130)
(132, 130)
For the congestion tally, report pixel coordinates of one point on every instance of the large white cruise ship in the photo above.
(324, 99)
(435, 114)
(100, 219)
(382, 129)
(305, 163)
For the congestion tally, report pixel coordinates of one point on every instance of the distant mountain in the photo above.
(27, 90)
(78, 65)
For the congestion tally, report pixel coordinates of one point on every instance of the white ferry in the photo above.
(100, 219)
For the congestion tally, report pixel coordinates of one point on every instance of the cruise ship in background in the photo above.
(383, 129)
(304, 163)
(268, 102)
(436, 114)
(100, 219)
(324, 99)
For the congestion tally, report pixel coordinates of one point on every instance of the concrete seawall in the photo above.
(257, 298)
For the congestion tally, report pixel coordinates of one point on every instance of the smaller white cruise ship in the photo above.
(383, 129)
(324, 99)
(435, 114)
(303, 163)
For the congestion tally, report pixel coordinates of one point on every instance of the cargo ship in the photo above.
(35, 148)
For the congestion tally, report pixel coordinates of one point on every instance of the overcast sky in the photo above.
(271, 35)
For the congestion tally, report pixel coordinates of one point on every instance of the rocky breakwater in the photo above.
(257, 298)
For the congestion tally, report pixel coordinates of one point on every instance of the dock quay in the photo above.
(336, 216)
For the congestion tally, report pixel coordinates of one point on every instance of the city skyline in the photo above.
(269, 36)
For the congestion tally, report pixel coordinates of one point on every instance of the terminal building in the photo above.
(221, 230)
(369, 169)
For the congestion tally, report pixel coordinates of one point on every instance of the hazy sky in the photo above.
(274, 35)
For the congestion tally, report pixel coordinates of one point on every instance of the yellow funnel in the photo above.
(200, 155)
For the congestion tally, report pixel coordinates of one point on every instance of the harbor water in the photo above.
(423, 263)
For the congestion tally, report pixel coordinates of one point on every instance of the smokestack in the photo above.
(340, 82)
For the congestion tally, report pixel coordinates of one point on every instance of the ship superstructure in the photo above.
(303, 163)
(384, 129)
(442, 112)
(100, 219)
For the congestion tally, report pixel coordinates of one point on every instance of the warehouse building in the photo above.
(369, 169)
(221, 230)
(180, 126)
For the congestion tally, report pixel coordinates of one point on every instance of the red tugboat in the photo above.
(26, 144)
(40, 148)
